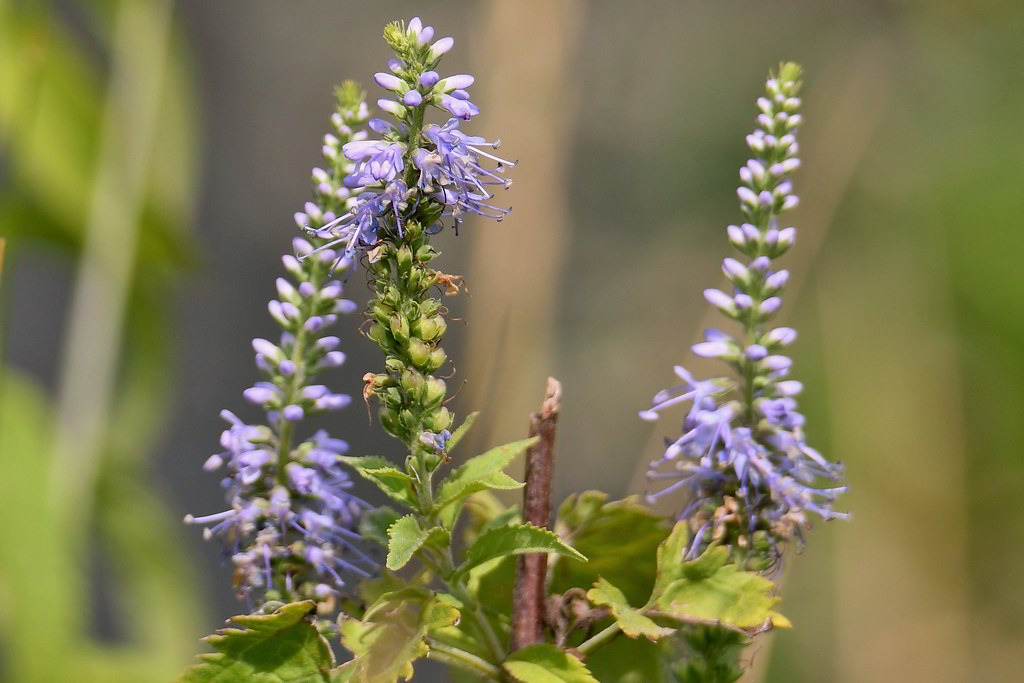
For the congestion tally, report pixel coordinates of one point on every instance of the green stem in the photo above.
(473, 609)
(599, 639)
(467, 661)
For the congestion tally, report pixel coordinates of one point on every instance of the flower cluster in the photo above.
(291, 526)
(742, 458)
(413, 161)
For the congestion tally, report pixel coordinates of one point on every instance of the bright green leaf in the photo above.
(630, 620)
(406, 536)
(382, 472)
(545, 663)
(518, 539)
(386, 647)
(374, 524)
(671, 554)
(384, 652)
(482, 472)
(620, 538)
(714, 592)
(268, 648)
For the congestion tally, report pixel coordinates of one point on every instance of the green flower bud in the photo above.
(440, 421)
(392, 398)
(413, 230)
(382, 313)
(389, 420)
(430, 307)
(419, 353)
(437, 359)
(407, 419)
(435, 392)
(399, 328)
(394, 364)
(404, 258)
(416, 278)
(379, 334)
(426, 254)
(424, 328)
(412, 382)
(391, 297)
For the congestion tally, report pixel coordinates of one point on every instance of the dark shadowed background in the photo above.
(151, 157)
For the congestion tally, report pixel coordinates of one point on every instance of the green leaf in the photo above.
(460, 432)
(406, 536)
(268, 648)
(671, 555)
(396, 598)
(630, 620)
(382, 472)
(374, 524)
(621, 539)
(517, 539)
(482, 472)
(386, 647)
(714, 592)
(545, 663)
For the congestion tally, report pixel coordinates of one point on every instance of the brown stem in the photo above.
(531, 576)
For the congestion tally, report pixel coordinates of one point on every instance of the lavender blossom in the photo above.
(414, 161)
(743, 460)
(290, 528)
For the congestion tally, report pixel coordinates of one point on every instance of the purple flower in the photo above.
(742, 458)
(291, 521)
(412, 165)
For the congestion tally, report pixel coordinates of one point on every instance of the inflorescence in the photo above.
(290, 530)
(743, 459)
(413, 162)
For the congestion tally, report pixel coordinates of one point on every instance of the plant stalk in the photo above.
(531, 574)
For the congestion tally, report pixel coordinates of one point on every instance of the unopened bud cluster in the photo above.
(742, 460)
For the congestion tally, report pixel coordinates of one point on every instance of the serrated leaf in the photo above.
(480, 473)
(621, 539)
(630, 620)
(671, 554)
(545, 663)
(406, 536)
(396, 598)
(374, 524)
(386, 647)
(517, 539)
(384, 653)
(388, 478)
(268, 648)
(714, 592)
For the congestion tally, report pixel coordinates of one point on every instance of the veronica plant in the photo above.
(290, 528)
(299, 538)
(743, 458)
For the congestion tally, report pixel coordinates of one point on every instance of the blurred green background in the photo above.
(151, 156)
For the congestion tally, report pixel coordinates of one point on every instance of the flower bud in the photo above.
(419, 352)
(399, 327)
(437, 359)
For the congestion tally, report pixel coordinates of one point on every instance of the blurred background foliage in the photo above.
(151, 155)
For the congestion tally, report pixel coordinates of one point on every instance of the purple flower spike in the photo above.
(278, 484)
(742, 461)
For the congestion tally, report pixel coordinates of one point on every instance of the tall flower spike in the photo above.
(742, 459)
(290, 529)
(416, 169)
